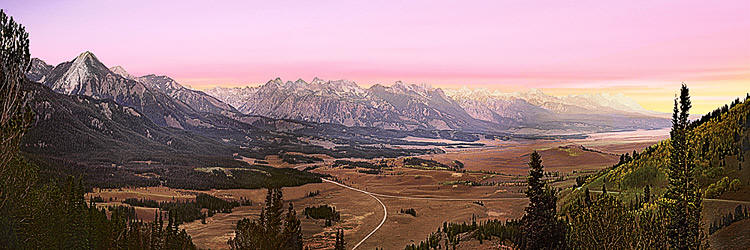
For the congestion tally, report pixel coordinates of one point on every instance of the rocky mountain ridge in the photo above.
(419, 106)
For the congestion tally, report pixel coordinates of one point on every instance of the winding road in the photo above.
(385, 210)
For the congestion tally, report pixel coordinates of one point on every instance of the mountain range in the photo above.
(84, 110)
(113, 127)
(417, 106)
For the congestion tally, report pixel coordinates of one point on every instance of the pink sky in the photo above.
(644, 49)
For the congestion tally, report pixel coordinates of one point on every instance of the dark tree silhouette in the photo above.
(540, 227)
(683, 199)
(272, 230)
(340, 243)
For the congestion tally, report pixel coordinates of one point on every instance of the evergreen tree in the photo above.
(340, 243)
(647, 194)
(587, 197)
(292, 230)
(540, 226)
(14, 114)
(683, 200)
(272, 230)
(15, 178)
(607, 223)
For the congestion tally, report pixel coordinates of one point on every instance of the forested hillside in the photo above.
(719, 143)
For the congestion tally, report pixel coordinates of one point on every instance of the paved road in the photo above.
(385, 210)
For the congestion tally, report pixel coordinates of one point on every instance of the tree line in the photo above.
(739, 214)
(187, 211)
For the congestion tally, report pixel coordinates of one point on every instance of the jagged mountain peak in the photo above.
(81, 76)
(90, 60)
(160, 82)
(121, 71)
(317, 86)
(317, 80)
(38, 70)
(422, 89)
(86, 54)
(38, 61)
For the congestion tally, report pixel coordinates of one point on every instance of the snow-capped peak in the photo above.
(122, 72)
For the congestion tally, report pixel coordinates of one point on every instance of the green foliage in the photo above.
(708, 154)
(683, 201)
(14, 113)
(419, 163)
(540, 227)
(248, 177)
(449, 234)
(56, 216)
(580, 180)
(359, 164)
(718, 144)
(323, 212)
(605, 222)
(717, 189)
(299, 159)
(410, 211)
(187, 211)
(272, 230)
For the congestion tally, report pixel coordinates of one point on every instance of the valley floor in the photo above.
(490, 188)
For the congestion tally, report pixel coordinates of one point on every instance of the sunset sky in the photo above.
(643, 49)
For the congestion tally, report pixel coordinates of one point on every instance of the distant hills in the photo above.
(410, 106)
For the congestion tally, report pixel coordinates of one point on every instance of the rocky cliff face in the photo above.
(86, 75)
(402, 107)
(235, 97)
(195, 99)
(38, 70)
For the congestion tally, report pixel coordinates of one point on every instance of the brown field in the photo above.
(427, 191)
(735, 236)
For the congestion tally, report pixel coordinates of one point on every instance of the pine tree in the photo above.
(292, 230)
(540, 226)
(272, 230)
(647, 194)
(683, 200)
(340, 243)
(587, 196)
(14, 61)
(274, 212)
